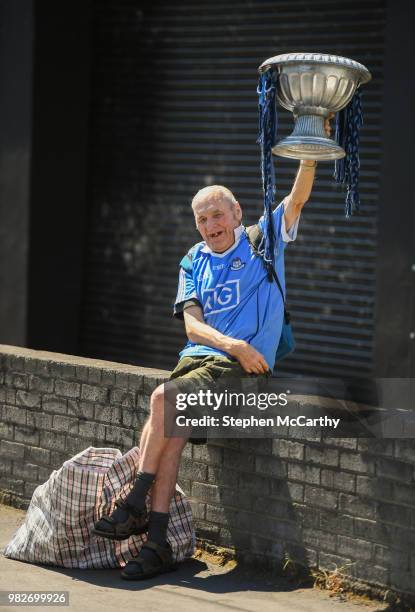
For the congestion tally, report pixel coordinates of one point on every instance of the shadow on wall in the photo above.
(337, 504)
(387, 496)
(248, 504)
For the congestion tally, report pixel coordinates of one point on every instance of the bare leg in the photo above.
(165, 484)
(144, 436)
(153, 443)
(153, 440)
(162, 493)
(160, 455)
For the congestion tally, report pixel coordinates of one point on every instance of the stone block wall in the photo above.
(341, 502)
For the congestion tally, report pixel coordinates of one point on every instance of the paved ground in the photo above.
(197, 585)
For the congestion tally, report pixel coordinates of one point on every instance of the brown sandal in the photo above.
(161, 562)
(136, 523)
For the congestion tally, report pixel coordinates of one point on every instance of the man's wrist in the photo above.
(232, 346)
(308, 163)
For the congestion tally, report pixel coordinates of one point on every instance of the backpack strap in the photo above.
(254, 235)
(187, 261)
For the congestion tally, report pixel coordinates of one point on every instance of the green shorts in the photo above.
(206, 372)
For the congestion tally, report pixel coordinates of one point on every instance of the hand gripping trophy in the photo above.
(313, 86)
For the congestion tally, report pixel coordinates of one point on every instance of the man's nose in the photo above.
(211, 225)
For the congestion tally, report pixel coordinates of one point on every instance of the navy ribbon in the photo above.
(346, 170)
(267, 138)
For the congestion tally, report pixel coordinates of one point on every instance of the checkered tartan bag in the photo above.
(58, 523)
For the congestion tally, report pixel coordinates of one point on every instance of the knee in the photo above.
(157, 395)
(157, 402)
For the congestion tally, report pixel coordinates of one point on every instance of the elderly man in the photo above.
(233, 319)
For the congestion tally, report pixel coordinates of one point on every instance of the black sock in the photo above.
(157, 527)
(137, 495)
(157, 532)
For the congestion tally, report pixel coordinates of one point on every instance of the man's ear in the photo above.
(238, 211)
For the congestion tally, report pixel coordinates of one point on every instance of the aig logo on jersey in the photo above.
(237, 264)
(220, 298)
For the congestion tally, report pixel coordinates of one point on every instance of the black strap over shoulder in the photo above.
(254, 235)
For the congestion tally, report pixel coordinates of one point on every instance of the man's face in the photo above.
(216, 218)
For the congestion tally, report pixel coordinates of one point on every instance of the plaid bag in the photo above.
(62, 511)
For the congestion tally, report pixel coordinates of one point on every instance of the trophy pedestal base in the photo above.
(309, 141)
(320, 149)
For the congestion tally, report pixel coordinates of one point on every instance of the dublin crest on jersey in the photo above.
(237, 264)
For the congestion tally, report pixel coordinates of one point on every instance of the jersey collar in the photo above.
(238, 231)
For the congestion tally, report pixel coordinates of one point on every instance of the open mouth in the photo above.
(215, 234)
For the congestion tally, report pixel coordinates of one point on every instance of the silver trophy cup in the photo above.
(311, 86)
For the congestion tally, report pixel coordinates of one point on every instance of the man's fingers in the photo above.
(261, 367)
(256, 369)
(327, 125)
(253, 369)
(254, 363)
(264, 365)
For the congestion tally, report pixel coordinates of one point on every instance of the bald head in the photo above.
(214, 193)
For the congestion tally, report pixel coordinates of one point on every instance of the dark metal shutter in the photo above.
(175, 109)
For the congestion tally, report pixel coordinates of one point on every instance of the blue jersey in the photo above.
(234, 291)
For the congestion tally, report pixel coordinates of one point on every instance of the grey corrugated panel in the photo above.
(341, 326)
(324, 224)
(347, 313)
(296, 298)
(224, 9)
(334, 335)
(147, 164)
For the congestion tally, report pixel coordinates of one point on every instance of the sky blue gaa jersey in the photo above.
(236, 296)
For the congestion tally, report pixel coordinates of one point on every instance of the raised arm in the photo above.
(303, 184)
(200, 332)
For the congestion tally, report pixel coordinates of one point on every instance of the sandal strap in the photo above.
(108, 519)
(144, 565)
(163, 553)
(135, 512)
(148, 566)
